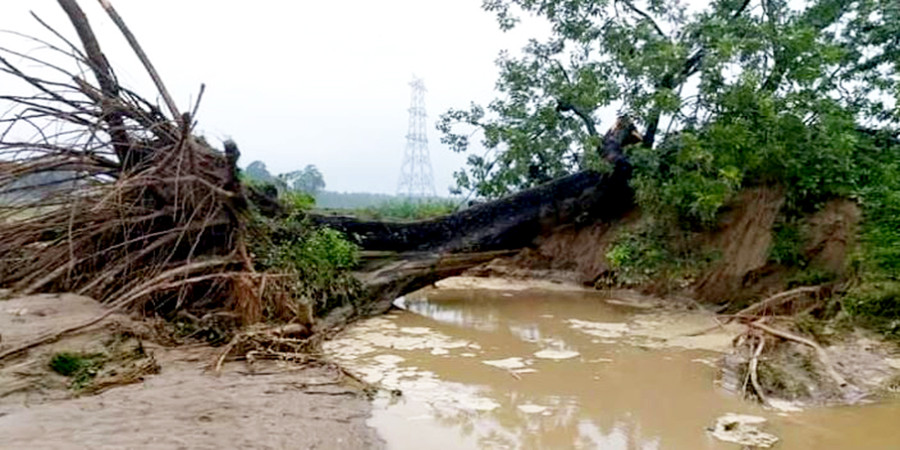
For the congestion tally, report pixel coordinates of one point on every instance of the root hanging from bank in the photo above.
(820, 352)
(776, 301)
(779, 366)
(753, 372)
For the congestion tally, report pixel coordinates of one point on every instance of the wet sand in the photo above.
(185, 406)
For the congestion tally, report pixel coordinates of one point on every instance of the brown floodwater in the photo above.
(528, 369)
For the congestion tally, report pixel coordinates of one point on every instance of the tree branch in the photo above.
(139, 51)
(563, 106)
(646, 16)
(673, 80)
(121, 142)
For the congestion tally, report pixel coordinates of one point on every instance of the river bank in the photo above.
(472, 362)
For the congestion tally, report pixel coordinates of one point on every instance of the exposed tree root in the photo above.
(752, 368)
(103, 194)
(776, 301)
(753, 311)
(820, 352)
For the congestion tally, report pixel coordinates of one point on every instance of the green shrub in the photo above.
(756, 140)
(314, 262)
(651, 252)
(877, 305)
(875, 300)
(787, 245)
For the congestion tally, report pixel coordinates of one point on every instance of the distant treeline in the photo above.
(362, 200)
(311, 182)
(355, 200)
(33, 186)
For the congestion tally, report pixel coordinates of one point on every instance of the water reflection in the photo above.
(449, 314)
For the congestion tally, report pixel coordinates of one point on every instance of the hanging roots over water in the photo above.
(104, 194)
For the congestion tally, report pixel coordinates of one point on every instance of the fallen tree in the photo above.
(125, 204)
(406, 256)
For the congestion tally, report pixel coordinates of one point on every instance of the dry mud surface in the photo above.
(185, 406)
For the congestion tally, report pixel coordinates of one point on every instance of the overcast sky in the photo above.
(306, 82)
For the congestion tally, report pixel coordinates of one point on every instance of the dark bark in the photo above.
(508, 223)
(389, 278)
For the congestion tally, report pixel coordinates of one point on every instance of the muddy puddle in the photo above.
(509, 369)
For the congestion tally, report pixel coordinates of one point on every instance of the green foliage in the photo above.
(740, 93)
(636, 258)
(650, 252)
(875, 299)
(314, 262)
(308, 181)
(297, 202)
(880, 198)
(787, 246)
(761, 140)
(876, 304)
(810, 276)
(411, 209)
(258, 172)
(681, 182)
(81, 368)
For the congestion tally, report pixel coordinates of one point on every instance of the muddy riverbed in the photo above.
(524, 368)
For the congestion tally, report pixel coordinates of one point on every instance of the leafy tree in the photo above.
(257, 171)
(742, 91)
(308, 180)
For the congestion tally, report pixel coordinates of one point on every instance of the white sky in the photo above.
(305, 82)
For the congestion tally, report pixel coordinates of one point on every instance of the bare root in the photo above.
(820, 352)
(103, 194)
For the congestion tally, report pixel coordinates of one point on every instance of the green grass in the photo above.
(81, 368)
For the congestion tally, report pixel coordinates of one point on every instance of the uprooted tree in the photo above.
(122, 202)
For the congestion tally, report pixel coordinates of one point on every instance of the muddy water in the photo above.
(556, 370)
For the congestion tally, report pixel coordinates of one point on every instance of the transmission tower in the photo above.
(416, 175)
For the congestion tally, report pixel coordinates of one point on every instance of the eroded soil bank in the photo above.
(525, 368)
(185, 405)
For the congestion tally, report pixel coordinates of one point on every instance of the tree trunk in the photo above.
(406, 256)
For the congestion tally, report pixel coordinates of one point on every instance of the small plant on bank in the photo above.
(652, 254)
(310, 265)
(81, 368)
